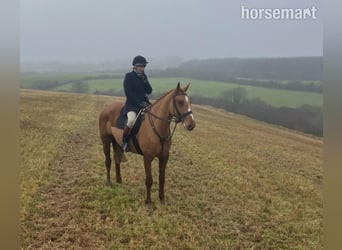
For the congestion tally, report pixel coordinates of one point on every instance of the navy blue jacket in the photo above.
(136, 89)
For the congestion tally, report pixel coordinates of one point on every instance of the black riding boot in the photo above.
(125, 138)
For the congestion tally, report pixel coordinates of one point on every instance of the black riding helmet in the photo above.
(139, 61)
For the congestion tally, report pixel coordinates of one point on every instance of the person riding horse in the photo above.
(136, 87)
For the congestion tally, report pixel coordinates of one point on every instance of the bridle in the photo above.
(177, 117)
(180, 117)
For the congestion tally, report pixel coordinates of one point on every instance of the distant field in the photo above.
(275, 97)
(27, 79)
(280, 81)
(210, 89)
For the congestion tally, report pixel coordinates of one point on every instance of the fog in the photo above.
(113, 30)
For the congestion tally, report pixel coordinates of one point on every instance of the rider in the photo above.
(136, 87)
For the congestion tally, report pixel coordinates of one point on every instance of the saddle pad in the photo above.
(121, 121)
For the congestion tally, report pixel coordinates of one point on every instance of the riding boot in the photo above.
(125, 138)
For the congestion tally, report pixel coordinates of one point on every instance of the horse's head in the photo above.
(181, 107)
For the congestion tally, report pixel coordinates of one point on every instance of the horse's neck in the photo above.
(162, 110)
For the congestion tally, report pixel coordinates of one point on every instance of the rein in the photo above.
(177, 119)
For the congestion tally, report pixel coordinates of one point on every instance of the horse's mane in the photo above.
(162, 96)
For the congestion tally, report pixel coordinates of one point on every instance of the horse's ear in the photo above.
(178, 86)
(186, 87)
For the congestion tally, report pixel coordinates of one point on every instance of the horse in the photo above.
(154, 136)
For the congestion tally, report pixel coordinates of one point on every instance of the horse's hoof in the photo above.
(149, 209)
(124, 158)
(109, 183)
(119, 181)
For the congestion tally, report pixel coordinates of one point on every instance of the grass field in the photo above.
(27, 79)
(232, 183)
(211, 89)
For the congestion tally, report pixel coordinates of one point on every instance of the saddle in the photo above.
(122, 121)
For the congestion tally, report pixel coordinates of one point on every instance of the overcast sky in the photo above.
(108, 30)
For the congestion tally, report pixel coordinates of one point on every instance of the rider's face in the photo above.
(140, 69)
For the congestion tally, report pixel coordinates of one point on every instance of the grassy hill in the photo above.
(232, 183)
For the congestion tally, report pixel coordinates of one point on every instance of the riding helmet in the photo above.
(139, 60)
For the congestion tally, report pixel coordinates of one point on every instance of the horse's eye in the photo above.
(181, 103)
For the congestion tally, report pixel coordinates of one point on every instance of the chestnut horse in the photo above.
(154, 136)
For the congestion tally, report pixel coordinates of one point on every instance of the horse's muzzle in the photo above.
(190, 126)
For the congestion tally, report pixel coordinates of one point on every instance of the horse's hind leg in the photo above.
(106, 150)
(118, 155)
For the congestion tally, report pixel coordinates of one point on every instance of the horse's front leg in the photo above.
(149, 180)
(162, 166)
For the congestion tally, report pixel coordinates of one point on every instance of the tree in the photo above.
(79, 87)
(234, 97)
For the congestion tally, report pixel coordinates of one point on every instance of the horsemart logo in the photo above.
(278, 14)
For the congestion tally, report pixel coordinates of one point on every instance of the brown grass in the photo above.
(232, 183)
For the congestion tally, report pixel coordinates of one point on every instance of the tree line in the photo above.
(307, 119)
(301, 74)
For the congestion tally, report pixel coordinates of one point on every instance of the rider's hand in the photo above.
(144, 104)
